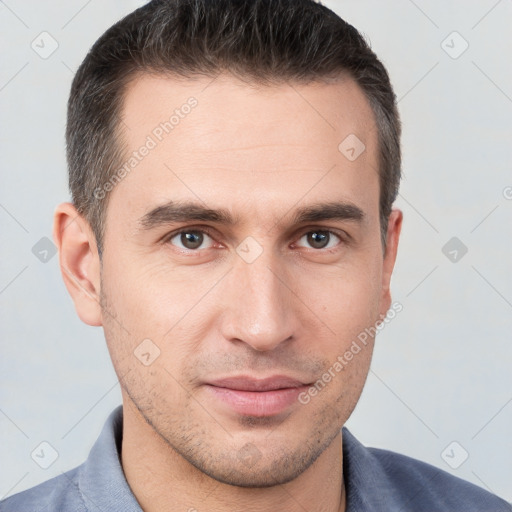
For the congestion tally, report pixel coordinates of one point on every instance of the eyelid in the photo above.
(341, 234)
(211, 232)
(324, 249)
(202, 229)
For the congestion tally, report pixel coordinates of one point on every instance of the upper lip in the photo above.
(245, 383)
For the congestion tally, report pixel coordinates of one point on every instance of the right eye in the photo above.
(191, 239)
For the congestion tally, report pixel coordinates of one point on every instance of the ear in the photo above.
(393, 235)
(79, 262)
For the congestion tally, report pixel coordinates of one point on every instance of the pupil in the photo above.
(192, 239)
(318, 239)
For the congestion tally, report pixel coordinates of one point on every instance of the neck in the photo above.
(161, 479)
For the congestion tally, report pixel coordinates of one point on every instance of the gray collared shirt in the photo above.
(376, 481)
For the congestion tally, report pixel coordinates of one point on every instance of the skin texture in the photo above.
(260, 153)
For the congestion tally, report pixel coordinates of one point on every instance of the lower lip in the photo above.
(257, 403)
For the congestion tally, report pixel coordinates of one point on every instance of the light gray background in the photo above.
(441, 370)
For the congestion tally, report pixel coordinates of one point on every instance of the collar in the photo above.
(101, 481)
(103, 486)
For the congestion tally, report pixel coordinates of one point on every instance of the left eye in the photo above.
(191, 240)
(321, 239)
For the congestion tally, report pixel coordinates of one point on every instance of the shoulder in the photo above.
(417, 480)
(405, 483)
(58, 493)
(97, 484)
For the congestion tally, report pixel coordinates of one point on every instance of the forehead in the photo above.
(223, 139)
(225, 103)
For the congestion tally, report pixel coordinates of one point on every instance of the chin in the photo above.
(252, 477)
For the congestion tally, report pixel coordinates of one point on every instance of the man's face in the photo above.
(190, 298)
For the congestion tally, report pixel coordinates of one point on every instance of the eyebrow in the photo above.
(174, 211)
(329, 211)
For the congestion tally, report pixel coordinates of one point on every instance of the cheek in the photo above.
(346, 298)
(146, 296)
(160, 304)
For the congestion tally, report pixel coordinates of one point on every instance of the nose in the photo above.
(260, 307)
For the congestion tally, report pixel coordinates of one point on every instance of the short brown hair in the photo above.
(265, 41)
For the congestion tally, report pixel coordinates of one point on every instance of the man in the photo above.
(233, 167)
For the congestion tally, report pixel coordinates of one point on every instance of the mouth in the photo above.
(256, 397)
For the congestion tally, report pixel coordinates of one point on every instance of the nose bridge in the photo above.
(260, 311)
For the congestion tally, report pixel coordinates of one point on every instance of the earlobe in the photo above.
(393, 236)
(79, 262)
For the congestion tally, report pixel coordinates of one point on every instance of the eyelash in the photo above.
(168, 238)
(343, 237)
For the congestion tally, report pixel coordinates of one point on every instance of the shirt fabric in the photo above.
(375, 480)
